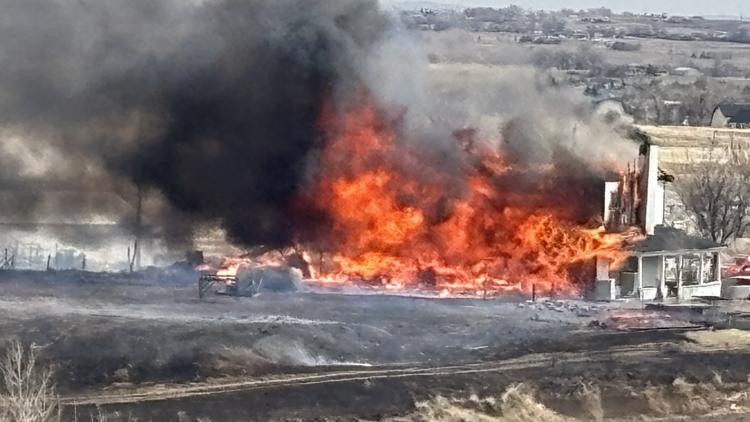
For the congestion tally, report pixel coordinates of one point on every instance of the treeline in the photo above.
(507, 19)
(597, 22)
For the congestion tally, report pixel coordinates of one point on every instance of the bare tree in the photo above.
(716, 193)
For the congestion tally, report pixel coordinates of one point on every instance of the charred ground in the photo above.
(153, 350)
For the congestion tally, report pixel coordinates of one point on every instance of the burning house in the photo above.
(317, 146)
(667, 262)
(471, 219)
(490, 221)
(327, 150)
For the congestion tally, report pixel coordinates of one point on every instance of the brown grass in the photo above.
(680, 400)
(517, 404)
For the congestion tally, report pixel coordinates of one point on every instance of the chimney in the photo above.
(653, 204)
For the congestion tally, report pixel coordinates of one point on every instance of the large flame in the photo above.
(399, 217)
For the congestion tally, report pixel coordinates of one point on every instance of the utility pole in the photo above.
(138, 223)
(134, 258)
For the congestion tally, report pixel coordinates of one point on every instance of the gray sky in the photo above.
(676, 7)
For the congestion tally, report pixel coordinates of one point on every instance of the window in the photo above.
(709, 267)
(670, 275)
(670, 269)
(690, 270)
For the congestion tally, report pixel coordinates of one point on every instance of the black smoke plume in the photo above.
(212, 103)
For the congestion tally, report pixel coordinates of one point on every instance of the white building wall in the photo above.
(707, 289)
(654, 192)
(719, 119)
(649, 293)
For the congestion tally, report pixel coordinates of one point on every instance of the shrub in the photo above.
(27, 392)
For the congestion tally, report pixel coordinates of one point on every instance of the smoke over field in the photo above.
(212, 104)
(220, 111)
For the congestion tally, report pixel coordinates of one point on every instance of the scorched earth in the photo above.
(124, 345)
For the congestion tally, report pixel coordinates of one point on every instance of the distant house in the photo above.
(732, 115)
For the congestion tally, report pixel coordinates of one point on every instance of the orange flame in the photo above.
(402, 228)
(399, 223)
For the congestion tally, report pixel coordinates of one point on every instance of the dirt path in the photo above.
(621, 355)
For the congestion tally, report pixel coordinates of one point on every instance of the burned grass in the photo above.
(155, 352)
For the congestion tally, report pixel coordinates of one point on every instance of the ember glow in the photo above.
(400, 217)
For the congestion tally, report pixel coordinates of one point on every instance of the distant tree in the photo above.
(511, 13)
(514, 10)
(615, 71)
(716, 194)
(652, 70)
(552, 24)
(601, 11)
(441, 25)
(587, 57)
